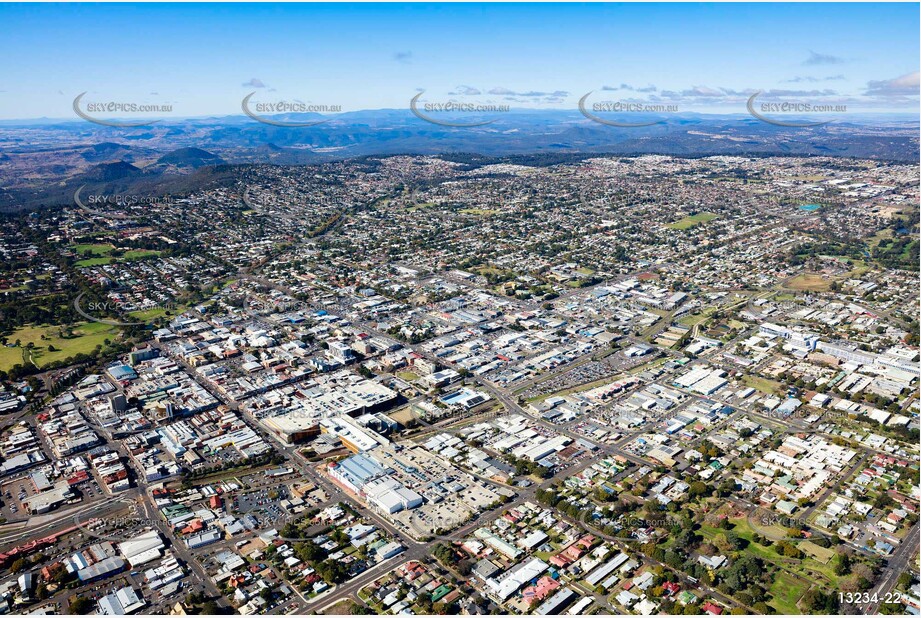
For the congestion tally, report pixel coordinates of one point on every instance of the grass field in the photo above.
(786, 591)
(139, 254)
(692, 220)
(87, 336)
(873, 241)
(404, 415)
(768, 387)
(483, 212)
(96, 261)
(10, 356)
(409, 376)
(809, 282)
(147, 315)
(95, 249)
(821, 554)
(808, 570)
(101, 254)
(342, 608)
(792, 578)
(692, 320)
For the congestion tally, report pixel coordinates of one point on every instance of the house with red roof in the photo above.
(586, 541)
(560, 561)
(540, 590)
(711, 608)
(670, 588)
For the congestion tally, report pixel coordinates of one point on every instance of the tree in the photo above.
(698, 488)
(788, 549)
(210, 608)
(843, 566)
(80, 605)
(358, 609)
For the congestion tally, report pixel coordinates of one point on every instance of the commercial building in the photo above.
(48, 500)
(142, 549)
(513, 579)
(301, 420)
(120, 603)
(390, 496)
(101, 570)
(203, 538)
(555, 604)
(353, 436)
(363, 475)
(355, 472)
(340, 352)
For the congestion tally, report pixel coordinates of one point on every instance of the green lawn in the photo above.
(768, 387)
(809, 282)
(807, 568)
(692, 319)
(127, 256)
(692, 220)
(139, 254)
(147, 315)
(87, 336)
(483, 212)
(10, 356)
(96, 261)
(409, 376)
(95, 249)
(786, 591)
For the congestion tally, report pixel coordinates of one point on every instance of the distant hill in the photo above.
(107, 172)
(107, 152)
(190, 157)
(161, 155)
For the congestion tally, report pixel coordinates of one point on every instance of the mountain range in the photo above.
(43, 161)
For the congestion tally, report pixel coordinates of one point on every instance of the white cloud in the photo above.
(817, 59)
(904, 86)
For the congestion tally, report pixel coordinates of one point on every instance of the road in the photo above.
(897, 564)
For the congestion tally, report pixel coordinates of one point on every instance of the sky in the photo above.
(202, 59)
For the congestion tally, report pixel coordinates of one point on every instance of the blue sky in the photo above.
(203, 58)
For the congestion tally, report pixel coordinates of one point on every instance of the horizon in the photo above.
(743, 115)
